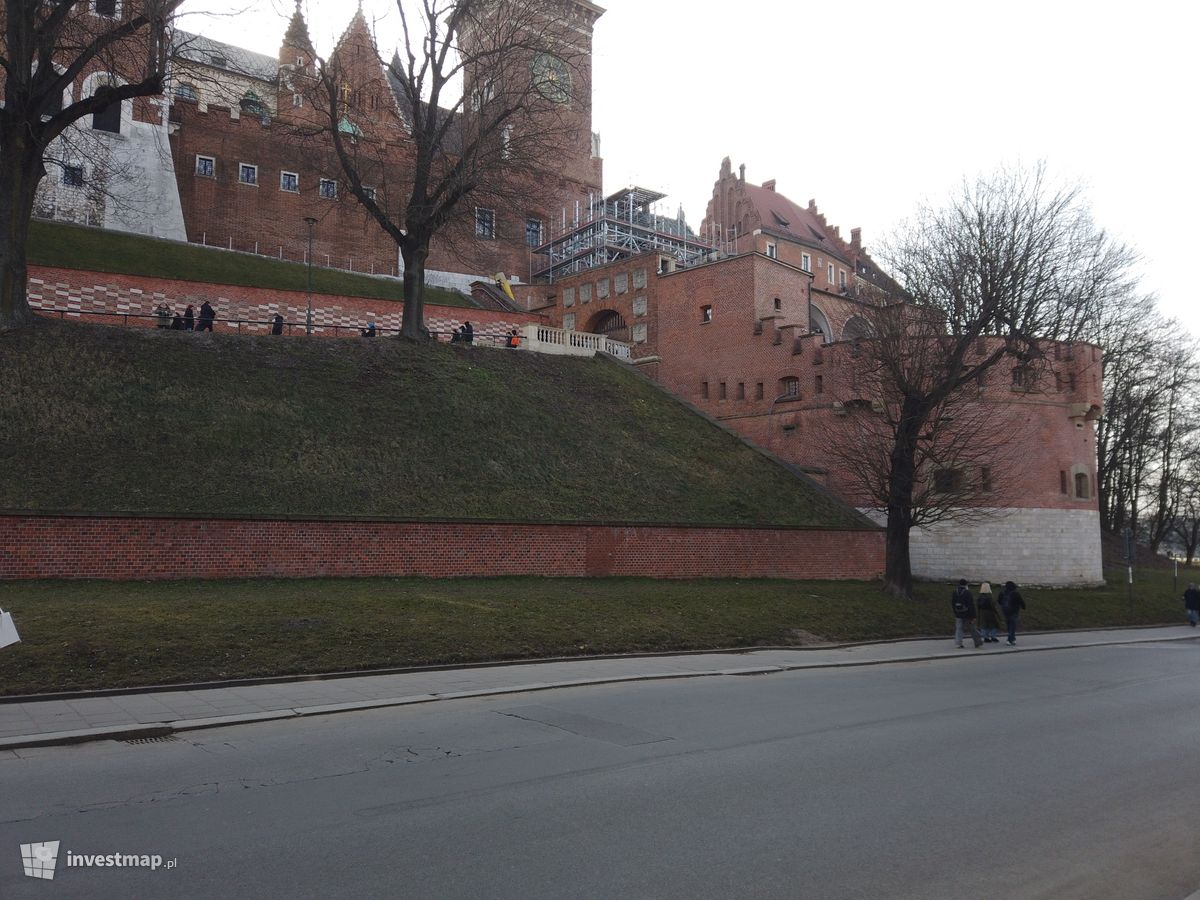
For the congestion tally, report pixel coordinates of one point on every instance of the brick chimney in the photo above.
(769, 185)
(742, 176)
(856, 238)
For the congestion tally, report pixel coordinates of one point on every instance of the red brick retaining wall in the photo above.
(77, 292)
(121, 548)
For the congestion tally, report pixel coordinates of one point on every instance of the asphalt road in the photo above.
(1069, 773)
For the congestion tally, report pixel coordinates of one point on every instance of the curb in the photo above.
(165, 729)
(496, 663)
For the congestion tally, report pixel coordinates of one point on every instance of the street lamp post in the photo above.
(311, 223)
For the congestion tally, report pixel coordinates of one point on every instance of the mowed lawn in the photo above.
(88, 635)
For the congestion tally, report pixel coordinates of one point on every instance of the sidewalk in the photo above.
(161, 712)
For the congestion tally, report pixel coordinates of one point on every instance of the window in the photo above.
(297, 100)
(108, 119)
(1071, 382)
(758, 391)
(820, 384)
(185, 91)
(72, 176)
(369, 193)
(107, 8)
(722, 394)
(842, 277)
(216, 59)
(741, 393)
(778, 305)
(290, 182)
(248, 174)
(985, 479)
(1020, 376)
(328, 189)
(485, 223)
(947, 481)
(773, 251)
(829, 273)
(704, 389)
(533, 232)
(506, 142)
(1062, 481)
(206, 167)
(806, 262)
(1082, 491)
(705, 314)
(789, 386)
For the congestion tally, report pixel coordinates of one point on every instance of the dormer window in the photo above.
(217, 60)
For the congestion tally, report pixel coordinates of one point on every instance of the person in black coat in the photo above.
(207, 315)
(189, 319)
(963, 605)
(468, 333)
(989, 620)
(277, 324)
(1011, 604)
(1191, 602)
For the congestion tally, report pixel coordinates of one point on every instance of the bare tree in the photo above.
(485, 113)
(1186, 525)
(1007, 264)
(48, 46)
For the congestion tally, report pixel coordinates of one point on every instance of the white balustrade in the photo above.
(559, 341)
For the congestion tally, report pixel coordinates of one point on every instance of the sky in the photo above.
(871, 108)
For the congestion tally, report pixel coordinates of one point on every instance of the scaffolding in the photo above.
(617, 227)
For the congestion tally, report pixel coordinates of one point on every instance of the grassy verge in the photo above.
(87, 635)
(95, 250)
(94, 418)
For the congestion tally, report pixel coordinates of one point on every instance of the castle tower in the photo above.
(296, 57)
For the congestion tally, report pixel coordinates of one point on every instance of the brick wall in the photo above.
(80, 292)
(122, 548)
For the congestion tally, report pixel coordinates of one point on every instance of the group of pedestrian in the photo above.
(463, 335)
(168, 318)
(967, 609)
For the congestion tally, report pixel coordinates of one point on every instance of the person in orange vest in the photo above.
(514, 339)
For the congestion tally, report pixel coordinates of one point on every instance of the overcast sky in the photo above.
(871, 107)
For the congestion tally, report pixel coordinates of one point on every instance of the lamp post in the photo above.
(311, 223)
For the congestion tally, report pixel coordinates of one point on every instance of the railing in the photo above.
(560, 341)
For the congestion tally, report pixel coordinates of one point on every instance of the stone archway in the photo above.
(610, 323)
(857, 329)
(817, 323)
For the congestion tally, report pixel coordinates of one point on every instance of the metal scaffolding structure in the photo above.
(622, 225)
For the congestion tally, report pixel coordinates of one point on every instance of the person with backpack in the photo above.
(1011, 604)
(963, 605)
(1191, 602)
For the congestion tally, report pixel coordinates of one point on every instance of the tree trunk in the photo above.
(20, 172)
(415, 255)
(897, 575)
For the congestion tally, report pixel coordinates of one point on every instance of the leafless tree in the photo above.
(1186, 525)
(485, 109)
(47, 47)
(1009, 259)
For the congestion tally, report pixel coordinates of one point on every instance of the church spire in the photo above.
(297, 37)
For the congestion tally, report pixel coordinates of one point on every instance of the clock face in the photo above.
(552, 78)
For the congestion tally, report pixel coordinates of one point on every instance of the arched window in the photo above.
(1082, 491)
(818, 324)
(789, 386)
(857, 329)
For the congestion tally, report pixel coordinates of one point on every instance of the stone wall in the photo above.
(123, 548)
(1057, 547)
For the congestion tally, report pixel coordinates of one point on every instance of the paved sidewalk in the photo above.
(152, 713)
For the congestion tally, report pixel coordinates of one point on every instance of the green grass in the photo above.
(86, 635)
(105, 419)
(96, 250)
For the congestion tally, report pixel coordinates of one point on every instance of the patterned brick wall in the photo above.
(79, 293)
(121, 548)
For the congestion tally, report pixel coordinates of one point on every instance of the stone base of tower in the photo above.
(1050, 547)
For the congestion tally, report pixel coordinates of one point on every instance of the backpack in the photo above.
(961, 602)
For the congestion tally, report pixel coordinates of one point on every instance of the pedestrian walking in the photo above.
(163, 312)
(468, 333)
(1191, 602)
(1011, 604)
(207, 316)
(989, 619)
(963, 605)
(189, 319)
(277, 324)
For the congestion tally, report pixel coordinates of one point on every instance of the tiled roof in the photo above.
(197, 48)
(779, 214)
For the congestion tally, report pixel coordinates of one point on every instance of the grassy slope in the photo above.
(108, 419)
(75, 247)
(83, 635)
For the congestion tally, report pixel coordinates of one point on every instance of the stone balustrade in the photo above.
(561, 342)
